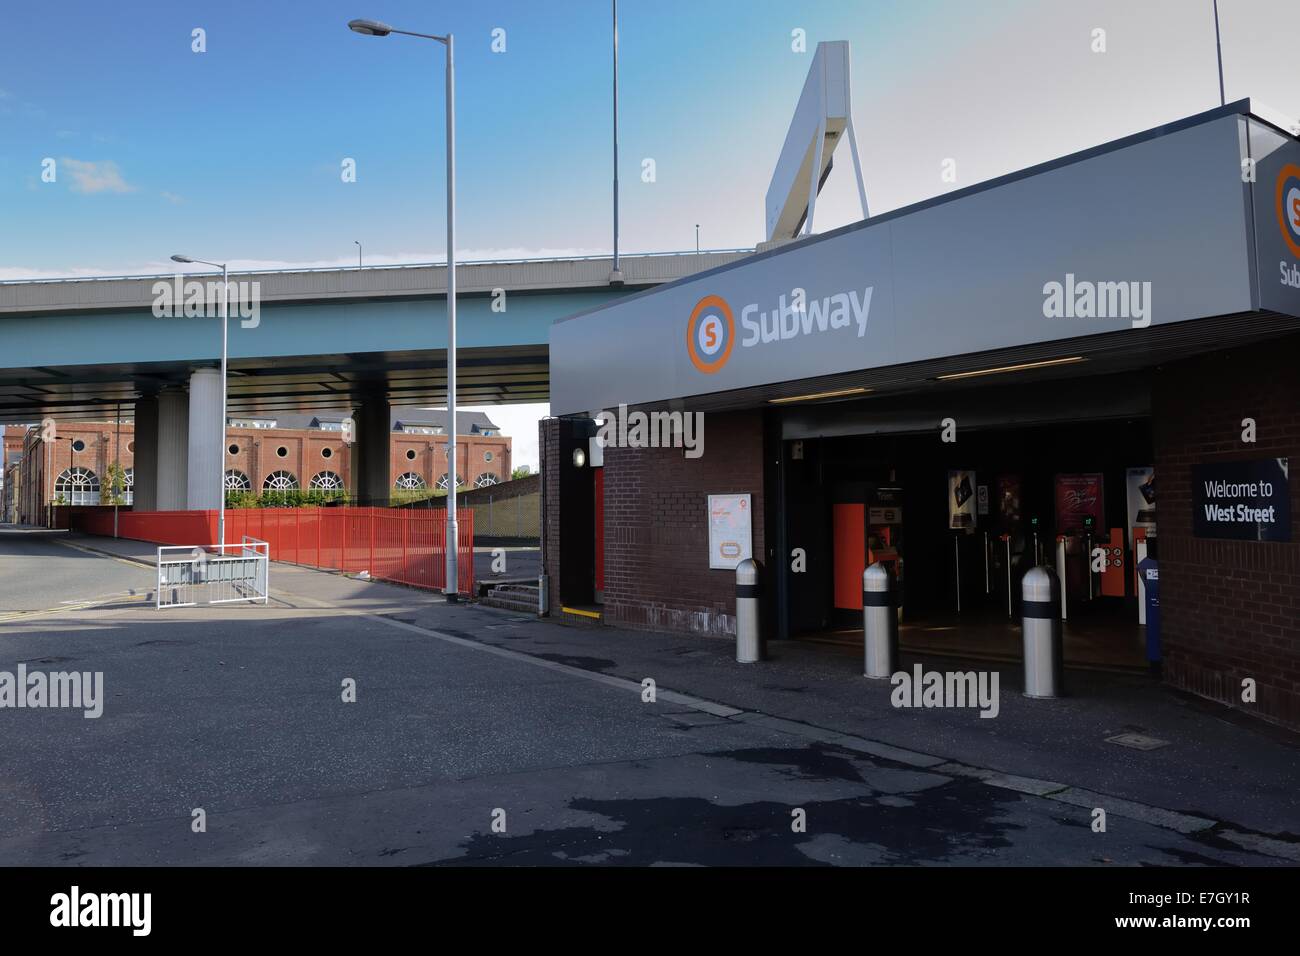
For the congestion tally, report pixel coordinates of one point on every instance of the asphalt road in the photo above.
(40, 571)
(239, 712)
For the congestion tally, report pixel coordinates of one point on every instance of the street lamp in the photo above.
(225, 312)
(376, 29)
(357, 243)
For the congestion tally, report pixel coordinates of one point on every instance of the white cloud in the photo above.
(89, 177)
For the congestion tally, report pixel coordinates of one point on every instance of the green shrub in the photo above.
(292, 498)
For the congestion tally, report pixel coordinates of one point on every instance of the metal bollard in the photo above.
(1040, 594)
(879, 622)
(749, 634)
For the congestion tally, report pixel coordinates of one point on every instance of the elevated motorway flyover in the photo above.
(148, 348)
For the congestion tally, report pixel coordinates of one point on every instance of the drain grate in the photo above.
(1137, 741)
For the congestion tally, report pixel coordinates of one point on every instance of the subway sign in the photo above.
(1242, 500)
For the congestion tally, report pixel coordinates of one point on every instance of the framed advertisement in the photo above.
(961, 500)
(1141, 500)
(731, 531)
(1078, 498)
(1009, 502)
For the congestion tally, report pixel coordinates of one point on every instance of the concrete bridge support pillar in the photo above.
(144, 494)
(173, 450)
(206, 441)
(371, 476)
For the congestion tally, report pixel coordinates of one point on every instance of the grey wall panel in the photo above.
(969, 275)
(956, 277)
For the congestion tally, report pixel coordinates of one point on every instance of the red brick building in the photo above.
(270, 453)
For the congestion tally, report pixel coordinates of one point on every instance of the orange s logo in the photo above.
(1288, 206)
(710, 334)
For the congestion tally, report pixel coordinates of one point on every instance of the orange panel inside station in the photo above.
(850, 549)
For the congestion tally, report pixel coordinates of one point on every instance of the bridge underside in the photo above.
(499, 375)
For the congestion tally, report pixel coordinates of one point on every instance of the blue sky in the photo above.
(235, 153)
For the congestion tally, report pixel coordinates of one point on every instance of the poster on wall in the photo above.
(1078, 498)
(1009, 502)
(961, 500)
(1242, 500)
(731, 531)
(1141, 500)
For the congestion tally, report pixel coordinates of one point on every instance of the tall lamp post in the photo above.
(374, 28)
(225, 312)
(616, 275)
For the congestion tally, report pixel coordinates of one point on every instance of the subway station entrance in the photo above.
(959, 512)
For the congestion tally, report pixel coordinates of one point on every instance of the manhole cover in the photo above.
(1137, 741)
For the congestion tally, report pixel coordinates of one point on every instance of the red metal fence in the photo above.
(393, 544)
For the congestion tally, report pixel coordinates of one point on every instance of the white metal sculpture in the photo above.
(823, 115)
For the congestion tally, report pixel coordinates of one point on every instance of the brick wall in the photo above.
(656, 528)
(426, 456)
(1230, 609)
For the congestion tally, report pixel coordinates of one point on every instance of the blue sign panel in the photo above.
(1242, 500)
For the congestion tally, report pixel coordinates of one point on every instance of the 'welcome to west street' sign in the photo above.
(1243, 500)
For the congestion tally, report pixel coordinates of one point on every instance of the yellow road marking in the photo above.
(123, 598)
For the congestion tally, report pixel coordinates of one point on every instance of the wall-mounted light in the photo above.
(579, 457)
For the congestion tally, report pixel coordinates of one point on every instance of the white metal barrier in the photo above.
(190, 575)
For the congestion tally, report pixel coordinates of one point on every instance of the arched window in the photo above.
(77, 486)
(237, 481)
(485, 479)
(326, 481)
(409, 482)
(442, 483)
(128, 486)
(280, 481)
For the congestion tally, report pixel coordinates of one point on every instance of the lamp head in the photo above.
(370, 28)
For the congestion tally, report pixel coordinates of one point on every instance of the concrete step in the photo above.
(511, 602)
